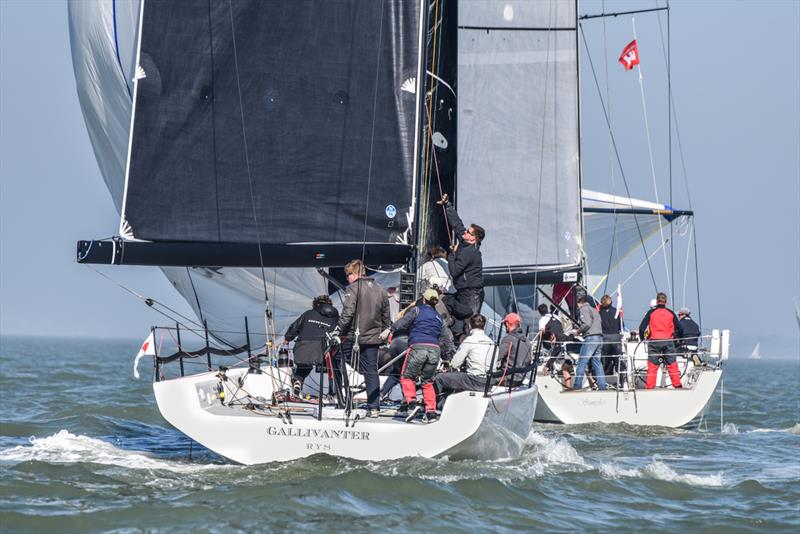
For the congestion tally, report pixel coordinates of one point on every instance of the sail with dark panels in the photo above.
(274, 123)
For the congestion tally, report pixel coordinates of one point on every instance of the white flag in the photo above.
(148, 349)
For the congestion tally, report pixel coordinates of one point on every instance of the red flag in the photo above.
(630, 55)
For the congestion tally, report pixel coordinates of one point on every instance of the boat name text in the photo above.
(293, 432)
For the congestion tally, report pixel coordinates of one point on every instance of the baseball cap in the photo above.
(512, 318)
(430, 294)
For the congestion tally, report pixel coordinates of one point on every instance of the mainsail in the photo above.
(274, 122)
(518, 172)
(338, 97)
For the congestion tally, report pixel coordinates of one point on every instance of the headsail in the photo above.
(615, 226)
(518, 172)
(274, 123)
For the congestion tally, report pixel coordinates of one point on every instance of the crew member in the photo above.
(661, 326)
(475, 352)
(690, 329)
(365, 315)
(465, 263)
(309, 335)
(590, 326)
(424, 328)
(514, 350)
(435, 273)
(611, 322)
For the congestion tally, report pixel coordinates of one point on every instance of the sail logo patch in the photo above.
(391, 211)
(409, 86)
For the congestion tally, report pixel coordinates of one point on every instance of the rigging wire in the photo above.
(650, 152)
(267, 313)
(372, 133)
(616, 153)
(550, 36)
(674, 118)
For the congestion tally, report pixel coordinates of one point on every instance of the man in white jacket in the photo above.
(475, 353)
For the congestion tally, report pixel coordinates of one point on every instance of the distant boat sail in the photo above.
(756, 354)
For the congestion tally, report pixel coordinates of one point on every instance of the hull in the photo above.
(654, 407)
(252, 436)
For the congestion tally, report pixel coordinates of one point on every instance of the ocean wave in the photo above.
(791, 430)
(660, 471)
(64, 447)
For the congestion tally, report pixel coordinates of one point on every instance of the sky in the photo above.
(736, 87)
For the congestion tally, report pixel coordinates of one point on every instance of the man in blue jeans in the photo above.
(591, 327)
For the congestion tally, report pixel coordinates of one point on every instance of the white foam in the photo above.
(64, 447)
(661, 471)
(729, 428)
(553, 450)
(795, 429)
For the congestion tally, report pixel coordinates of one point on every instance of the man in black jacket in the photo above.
(691, 331)
(309, 335)
(466, 265)
(611, 322)
(364, 317)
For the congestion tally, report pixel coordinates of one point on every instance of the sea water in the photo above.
(84, 449)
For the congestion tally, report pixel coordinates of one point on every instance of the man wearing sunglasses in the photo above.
(466, 264)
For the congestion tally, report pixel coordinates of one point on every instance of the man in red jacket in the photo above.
(660, 326)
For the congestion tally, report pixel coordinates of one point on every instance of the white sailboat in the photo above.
(756, 354)
(247, 171)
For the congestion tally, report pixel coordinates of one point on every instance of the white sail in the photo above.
(756, 354)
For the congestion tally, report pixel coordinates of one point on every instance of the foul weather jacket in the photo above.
(515, 350)
(661, 323)
(367, 306)
(308, 333)
(466, 263)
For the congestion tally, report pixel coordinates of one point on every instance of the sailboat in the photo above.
(756, 354)
(261, 157)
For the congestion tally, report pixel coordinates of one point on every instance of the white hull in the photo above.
(496, 425)
(656, 407)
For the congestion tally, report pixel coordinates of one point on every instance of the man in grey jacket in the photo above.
(365, 315)
(591, 328)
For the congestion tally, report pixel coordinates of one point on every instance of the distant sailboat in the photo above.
(756, 354)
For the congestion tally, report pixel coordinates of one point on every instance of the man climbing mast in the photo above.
(465, 262)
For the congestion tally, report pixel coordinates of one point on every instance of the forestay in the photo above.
(274, 122)
(518, 172)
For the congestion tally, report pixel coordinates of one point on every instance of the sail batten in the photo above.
(274, 122)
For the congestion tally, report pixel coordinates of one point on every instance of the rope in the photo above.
(650, 152)
(267, 313)
(541, 144)
(616, 153)
(372, 134)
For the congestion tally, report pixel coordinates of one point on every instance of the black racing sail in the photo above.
(277, 133)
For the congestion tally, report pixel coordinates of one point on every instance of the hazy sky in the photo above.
(736, 84)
